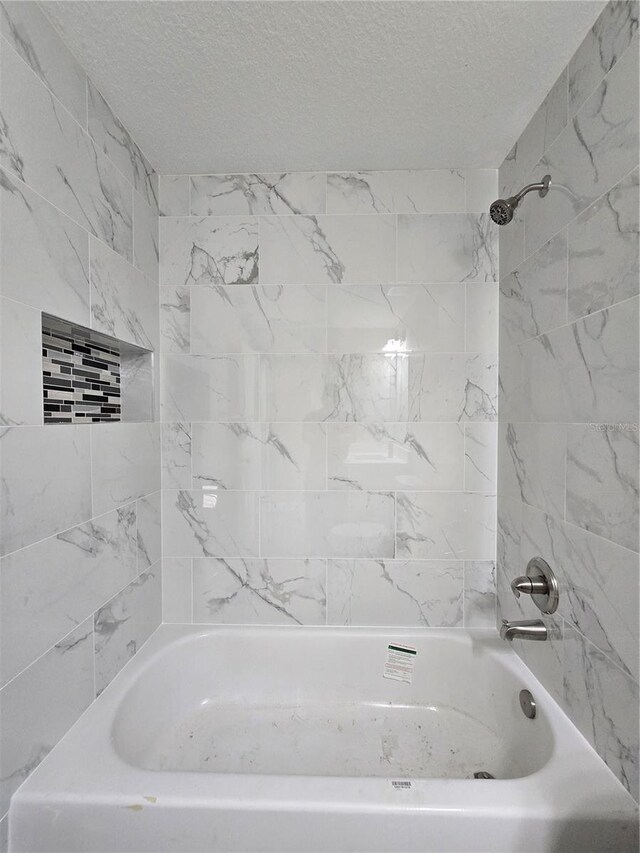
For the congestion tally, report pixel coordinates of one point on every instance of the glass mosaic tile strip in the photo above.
(80, 374)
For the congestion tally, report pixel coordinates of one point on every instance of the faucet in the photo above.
(525, 629)
(540, 583)
(529, 586)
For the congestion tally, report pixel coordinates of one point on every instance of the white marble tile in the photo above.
(481, 188)
(294, 456)
(138, 385)
(292, 192)
(592, 154)
(145, 237)
(209, 523)
(209, 388)
(481, 312)
(176, 455)
(396, 318)
(511, 244)
(125, 461)
(598, 581)
(334, 388)
(47, 150)
(603, 251)
(586, 372)
(174, 195)
(123, 624)
(39, 706)
(208, 250)
(509, 537)
(29, 32)
(44, 255)
(532, 464)
(412, 593)
(446, 525)
(20, 364)
(227, 455)
(452, 387)
(603, 703)
(46, 482)
(327, 524)
(395, 456)
(149, 538)
(48, 588)
(116, 142)
(480, 594)
(259, 592)
(510, 390)
(602, 481)
(327, 249)
(124, 304)
(602, 583)
(176, 589)
(412, 191)
(175, 319)
(480, 457)
(603, 45)
(533, 298)
(258, 319)
(544, 127)
(447, 247)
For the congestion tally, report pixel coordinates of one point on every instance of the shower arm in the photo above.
(541, 186)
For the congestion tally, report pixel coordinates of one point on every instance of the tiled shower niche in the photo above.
(89, 377)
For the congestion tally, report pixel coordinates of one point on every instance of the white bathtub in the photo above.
(272, 739)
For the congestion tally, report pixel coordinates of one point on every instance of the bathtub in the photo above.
(302, 739)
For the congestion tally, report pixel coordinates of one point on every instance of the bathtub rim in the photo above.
(559, 790)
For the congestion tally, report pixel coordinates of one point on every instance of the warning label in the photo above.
(399, 663)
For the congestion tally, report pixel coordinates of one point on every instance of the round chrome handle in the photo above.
(540, 572)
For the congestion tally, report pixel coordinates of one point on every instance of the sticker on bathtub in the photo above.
(399, 664)
(401, 784)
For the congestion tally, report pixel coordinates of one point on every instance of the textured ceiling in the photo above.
(318, 84)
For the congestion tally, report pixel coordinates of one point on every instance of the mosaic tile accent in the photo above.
(80, 374)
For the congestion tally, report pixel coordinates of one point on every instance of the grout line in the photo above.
(57, 102)
(86, 96)
(91, 477)
(95, 680)
(88, 82)
(192, 591)
(80, 622)
(83, 227)
(46, 652)
(567, 224)
(395, 525)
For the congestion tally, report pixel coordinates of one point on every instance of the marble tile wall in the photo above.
(329, 398)
(568, 431)
(80, 580)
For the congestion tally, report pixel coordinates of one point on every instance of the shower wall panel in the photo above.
(79, 504)
(568, 437)
(329, 397)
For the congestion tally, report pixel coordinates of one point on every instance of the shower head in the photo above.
(502, 210)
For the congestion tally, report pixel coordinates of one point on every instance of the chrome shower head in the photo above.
(502, 209)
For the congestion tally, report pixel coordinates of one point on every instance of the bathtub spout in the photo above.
(526, 629)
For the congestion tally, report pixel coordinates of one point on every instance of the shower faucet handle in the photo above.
(540, 583)
(529, 586)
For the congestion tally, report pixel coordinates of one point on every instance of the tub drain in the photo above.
(483, 774)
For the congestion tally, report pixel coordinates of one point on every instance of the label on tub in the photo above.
(399, 664)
